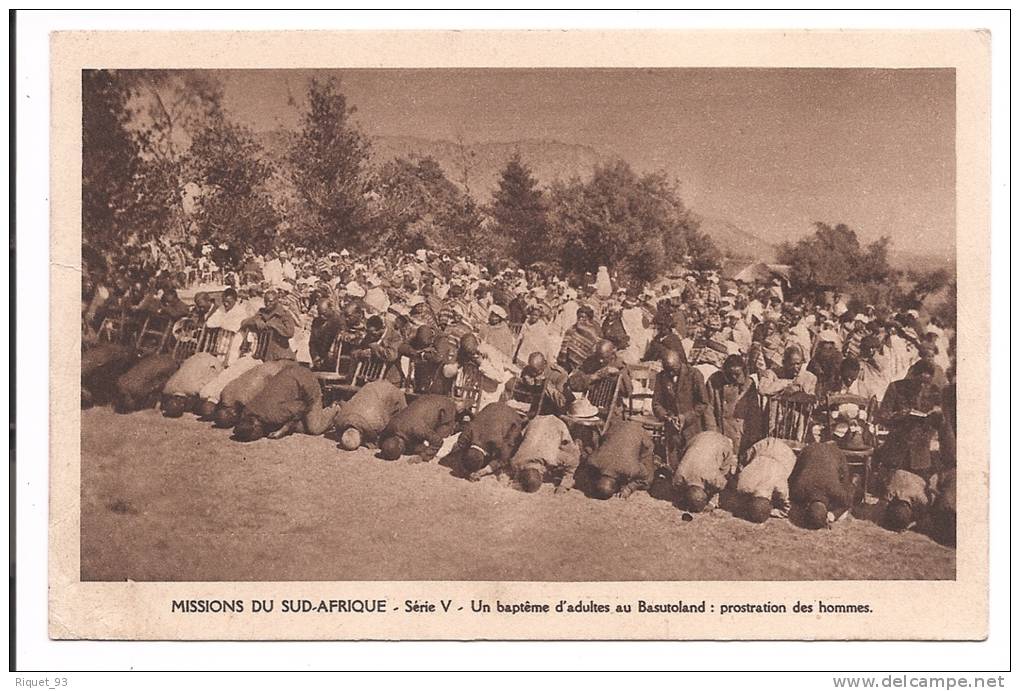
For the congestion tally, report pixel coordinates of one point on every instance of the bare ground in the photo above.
(176, 500)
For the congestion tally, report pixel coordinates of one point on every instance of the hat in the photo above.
(583, 408)
(450, 370)
(415, 301)
(344, 253)
(498, 311)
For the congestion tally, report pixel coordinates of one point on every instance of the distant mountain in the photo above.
(737, 242)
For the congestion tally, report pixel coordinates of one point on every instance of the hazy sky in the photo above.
(771, 150)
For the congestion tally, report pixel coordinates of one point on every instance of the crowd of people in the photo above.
(433, 356)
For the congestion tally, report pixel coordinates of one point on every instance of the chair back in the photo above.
(155, 334)
(368, 369)
(788, 417)
(187, 333)
(467, 388)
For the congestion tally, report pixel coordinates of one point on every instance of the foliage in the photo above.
(419, 207)
(231, 172)
(328, 162)
(636, 224)
(833, 258)
(109, 158)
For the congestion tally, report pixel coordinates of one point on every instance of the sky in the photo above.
(771, 150)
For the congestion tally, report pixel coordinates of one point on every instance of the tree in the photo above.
(519, 213)
(231, 172)
(636, 225)
(110, 159)
(328, 162)
(419, 207)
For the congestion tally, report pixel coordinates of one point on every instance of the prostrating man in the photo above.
(906, 498)
(943, 506)
(681, 399)
(419, 429)
(706, 466)
(764, 483)
(240, 391)
(101, 367)
(366, 414)
(623, 462)
(821, 485)
(181, 391)
(546, 452)
(289, 402)
(490, 438)
(141, 385)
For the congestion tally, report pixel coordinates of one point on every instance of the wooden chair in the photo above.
(115, 328)
(858, 441)
(188, 335)
(639, 409)
(368, 369)
(467, 389)
(788, 417)
(155, 334)
(604, 394)
(526, 399)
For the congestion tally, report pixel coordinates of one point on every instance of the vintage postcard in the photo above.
(519, 335)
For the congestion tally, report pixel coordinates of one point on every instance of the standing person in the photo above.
(821, 485)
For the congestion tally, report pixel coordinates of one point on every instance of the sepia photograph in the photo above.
(518, 324)
(659, 345)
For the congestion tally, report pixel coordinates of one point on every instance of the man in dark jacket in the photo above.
(141, 385)
(681, 399)
(492, 436)
(290, 401)
(278, 322)
(624, 461)
(820, 484)
(420, 428)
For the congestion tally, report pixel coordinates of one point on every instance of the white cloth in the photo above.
(603, 286)
(212, 390)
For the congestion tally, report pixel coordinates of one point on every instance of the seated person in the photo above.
(623, 462)
(277, 320)
(580, 340)
(764, 483)
(791, 377)
(821, 485)
(912, 411)
(366, 414)
(490, 438)
(707, 464)
(419, 429)
(540, 379)
(380, 342)
(603, 363)
(290, 401)
(682, 400)
(421, 352)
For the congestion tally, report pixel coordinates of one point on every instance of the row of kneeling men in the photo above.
(277, 398)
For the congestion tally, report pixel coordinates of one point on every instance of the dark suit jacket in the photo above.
(821, 474)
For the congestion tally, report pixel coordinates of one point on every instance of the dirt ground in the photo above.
(166, 500)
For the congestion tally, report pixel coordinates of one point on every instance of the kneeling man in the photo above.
(290, 401)
(704, 470)
(419, 429)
